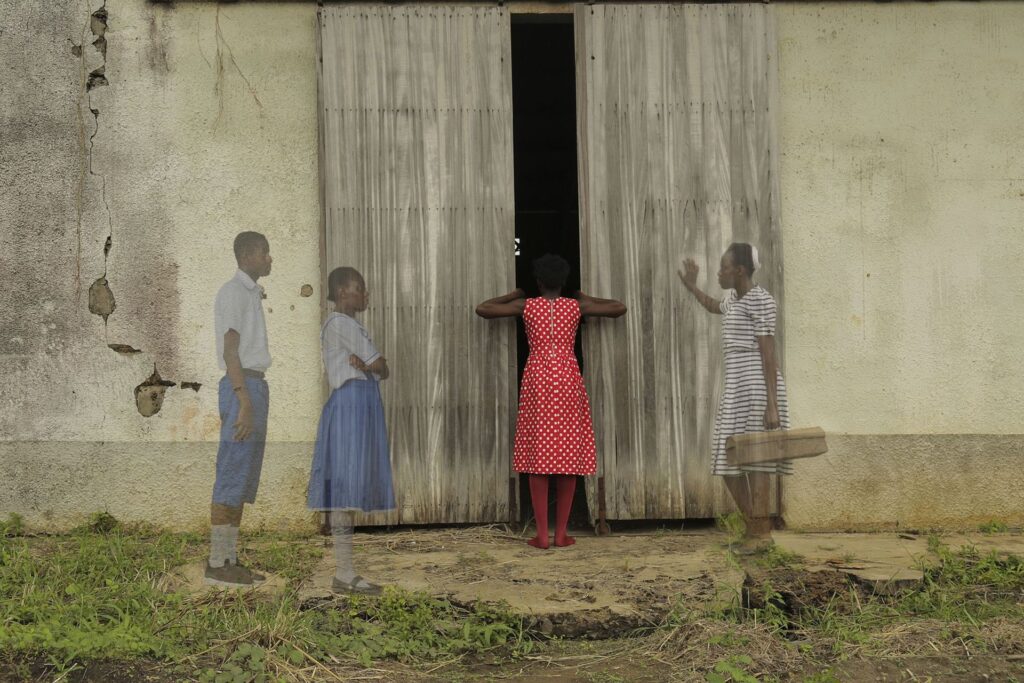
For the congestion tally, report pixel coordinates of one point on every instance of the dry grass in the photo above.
(696, 646)
(429, 540)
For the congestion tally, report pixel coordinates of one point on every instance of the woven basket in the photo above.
(769, 447)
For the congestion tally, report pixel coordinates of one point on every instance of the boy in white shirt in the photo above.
(243, 353)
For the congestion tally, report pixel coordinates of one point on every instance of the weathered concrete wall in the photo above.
(903, 191)
(205, 126)
(903, 198)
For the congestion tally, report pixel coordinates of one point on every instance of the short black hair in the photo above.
(341, 277)
(249, 241)
(551, 271)
(742, 255)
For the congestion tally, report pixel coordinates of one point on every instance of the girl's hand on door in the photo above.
(689, 272)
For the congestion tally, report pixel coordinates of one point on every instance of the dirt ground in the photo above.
(629, 579)
(601, 586)
(598, 588)
(605, 589)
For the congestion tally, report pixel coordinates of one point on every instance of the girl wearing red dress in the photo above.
(554, 434)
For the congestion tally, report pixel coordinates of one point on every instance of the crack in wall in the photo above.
(83, 166)
(149, 395)
(101, 298)
(222, 44)
(98, 26)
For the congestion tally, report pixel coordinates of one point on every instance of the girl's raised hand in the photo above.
(689, 273)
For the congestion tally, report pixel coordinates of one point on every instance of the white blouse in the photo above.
(341, 337)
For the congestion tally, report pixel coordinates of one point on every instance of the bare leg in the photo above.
(751, 491)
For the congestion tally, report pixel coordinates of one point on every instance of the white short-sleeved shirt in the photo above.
(239, 307)
(341, 337)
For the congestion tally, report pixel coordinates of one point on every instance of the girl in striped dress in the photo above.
(754, 394)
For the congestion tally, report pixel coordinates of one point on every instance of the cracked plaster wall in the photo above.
(206, 126)
(902, 196)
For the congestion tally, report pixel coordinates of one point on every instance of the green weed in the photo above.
(733, 525)
(294, 561)
(993, 527)
(773, 557)
(101, 523)
(732, 669)
(14, 525)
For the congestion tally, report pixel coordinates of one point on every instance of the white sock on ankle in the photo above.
(232, 540)
(341, 529)
(221, 544)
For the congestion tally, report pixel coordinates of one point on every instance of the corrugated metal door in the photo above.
(676, 158)
(416, 133)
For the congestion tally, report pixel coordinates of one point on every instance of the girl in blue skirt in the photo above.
(351, 462)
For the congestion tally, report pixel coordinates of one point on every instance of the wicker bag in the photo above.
(760, 448)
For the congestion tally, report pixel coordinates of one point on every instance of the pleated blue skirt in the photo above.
(351, 461)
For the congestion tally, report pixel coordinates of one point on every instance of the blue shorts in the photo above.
(239, 463)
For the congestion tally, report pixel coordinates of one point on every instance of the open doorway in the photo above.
(546, 177)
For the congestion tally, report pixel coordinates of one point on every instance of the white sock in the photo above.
(341, 529)
(232, 540)
(221, 545)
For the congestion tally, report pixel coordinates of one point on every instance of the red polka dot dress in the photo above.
(554, 433)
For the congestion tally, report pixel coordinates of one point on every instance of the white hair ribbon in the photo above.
(754, 258)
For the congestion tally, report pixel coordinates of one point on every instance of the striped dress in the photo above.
(744, 396)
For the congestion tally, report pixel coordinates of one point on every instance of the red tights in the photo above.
(565, 486)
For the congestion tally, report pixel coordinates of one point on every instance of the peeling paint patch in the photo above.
(98, 22)
(194, 386)
(96, 79)
(149, 396)
(307, 290)
(101, 299)
(125, 349)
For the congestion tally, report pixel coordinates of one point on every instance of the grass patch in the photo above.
(774, 556)
(789, 620)
(294, 560)
(96, 595)
(993, 526)
(14, 525)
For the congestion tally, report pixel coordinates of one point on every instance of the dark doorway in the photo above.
(546, 178)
